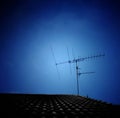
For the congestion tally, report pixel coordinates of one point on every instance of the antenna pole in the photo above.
(77, 78)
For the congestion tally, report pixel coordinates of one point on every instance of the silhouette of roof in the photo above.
(54, 106)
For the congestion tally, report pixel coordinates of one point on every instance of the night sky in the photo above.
(30, 28)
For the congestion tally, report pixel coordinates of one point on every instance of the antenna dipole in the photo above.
(55, 62)
(69, 59)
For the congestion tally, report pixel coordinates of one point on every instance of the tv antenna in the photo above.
(76, 61)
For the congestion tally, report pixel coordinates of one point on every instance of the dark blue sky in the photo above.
(28, 28)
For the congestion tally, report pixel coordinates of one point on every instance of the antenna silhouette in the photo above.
(77, 67)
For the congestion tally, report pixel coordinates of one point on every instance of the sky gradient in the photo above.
(29, 28)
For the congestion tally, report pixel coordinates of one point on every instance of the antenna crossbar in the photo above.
(86, 73)
(81, 59)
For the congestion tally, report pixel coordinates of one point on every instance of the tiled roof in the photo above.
(55, 106)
